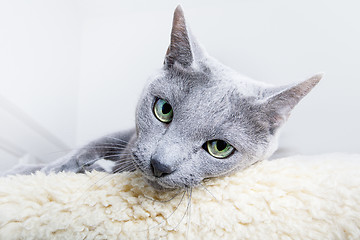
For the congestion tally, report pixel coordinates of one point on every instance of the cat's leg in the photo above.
(102, 155)
(23, 169)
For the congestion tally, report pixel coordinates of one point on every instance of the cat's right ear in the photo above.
(279, 104)
(180, 49)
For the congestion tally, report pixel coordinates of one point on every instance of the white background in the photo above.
(71, 71)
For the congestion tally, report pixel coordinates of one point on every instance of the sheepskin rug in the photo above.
(313, 197)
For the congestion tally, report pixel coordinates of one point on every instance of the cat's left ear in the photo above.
(180, 49)
(279, 104)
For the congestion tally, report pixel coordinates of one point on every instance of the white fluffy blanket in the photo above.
(315, 197)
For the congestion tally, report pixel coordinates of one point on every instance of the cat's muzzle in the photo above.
(160, 169)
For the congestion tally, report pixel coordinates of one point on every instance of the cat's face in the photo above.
(199, 119)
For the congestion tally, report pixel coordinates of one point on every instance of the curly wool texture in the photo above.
(314, 197)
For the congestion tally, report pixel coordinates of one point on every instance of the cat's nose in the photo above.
(160, 169)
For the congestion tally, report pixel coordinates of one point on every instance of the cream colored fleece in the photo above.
(314, 197)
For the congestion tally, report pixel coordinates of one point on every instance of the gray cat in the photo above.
(196, 119)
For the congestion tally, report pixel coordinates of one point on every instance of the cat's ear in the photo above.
(180, 46)
(281, 101)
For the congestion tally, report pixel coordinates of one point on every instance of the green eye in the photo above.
(163, 111)
(219, 148)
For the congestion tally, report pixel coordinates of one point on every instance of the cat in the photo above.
(196, 119)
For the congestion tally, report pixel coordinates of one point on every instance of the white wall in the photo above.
(76, 68)
(39, 73)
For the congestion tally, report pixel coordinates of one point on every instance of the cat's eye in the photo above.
(163, 111)
(219, 148)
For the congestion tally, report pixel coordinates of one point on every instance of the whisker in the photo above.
(117, 139)
(118, 170)
(182, 218)
(189, 214)
(92, 161)
(118, 154)
(207, 190)
(122, 167)
(67, 151)
(105, 147)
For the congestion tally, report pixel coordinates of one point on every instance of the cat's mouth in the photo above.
(170, 181)
(160, 183)
(155, 182)
(158, 186)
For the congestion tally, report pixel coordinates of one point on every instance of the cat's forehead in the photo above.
(178, 86)
(208, 106)
(206, 84)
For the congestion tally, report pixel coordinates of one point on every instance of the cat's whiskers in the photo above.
(189, 214)
(103, 146)
(208, 191)
(117, 139)
(124, 163)
(127, 161)
(92, 161)
(188, 190)
(106, 147)
(121, 168)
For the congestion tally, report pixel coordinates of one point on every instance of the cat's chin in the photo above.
(159, 187)
(164, 186)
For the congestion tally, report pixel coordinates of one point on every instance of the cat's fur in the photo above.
(210, 101)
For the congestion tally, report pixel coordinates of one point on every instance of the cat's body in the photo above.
(196, 119)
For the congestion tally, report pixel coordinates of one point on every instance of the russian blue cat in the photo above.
(196, 119)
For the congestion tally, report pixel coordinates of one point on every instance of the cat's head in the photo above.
(199, 119)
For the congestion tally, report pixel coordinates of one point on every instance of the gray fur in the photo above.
(210, 101)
